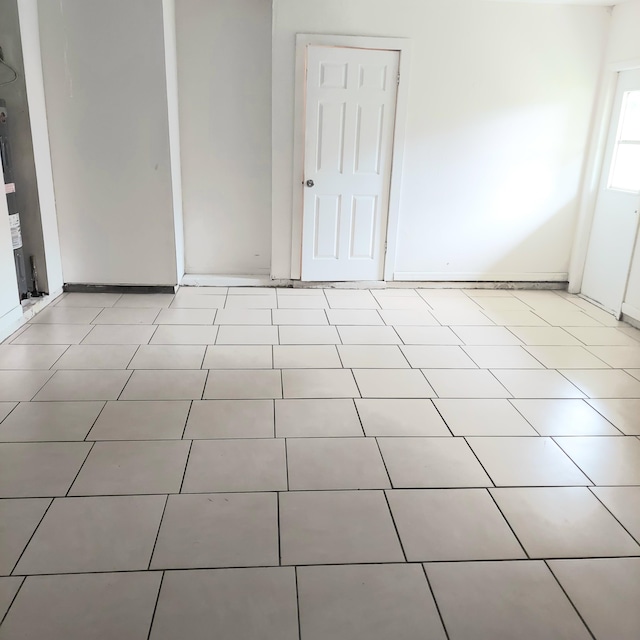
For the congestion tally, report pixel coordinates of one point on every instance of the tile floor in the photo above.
(262, 464)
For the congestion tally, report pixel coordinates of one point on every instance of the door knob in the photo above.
(310, 183)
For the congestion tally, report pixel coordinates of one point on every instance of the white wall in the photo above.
(624, 41)
(10, 308)
(106, 95)
(499, 111)
(224, 74)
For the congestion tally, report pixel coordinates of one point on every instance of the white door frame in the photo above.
(593, 168)
(403, 46)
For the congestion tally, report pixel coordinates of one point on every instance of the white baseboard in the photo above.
(206, 280)
(432, 276)
(630, 312)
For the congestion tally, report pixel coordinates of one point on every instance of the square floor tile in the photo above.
(363, 356)
(606, 460)
(218, 530)
(565, 357)
(437, 357)
(392, 383)
(141, 420)
(401, 303)
(105, 533)
(185, 334)
(350, 299)
(319, 383)
(39, 469)
(210, 419)
(317, 418)
(368, 335)
(323, 334)
(400, 417)
(145, 300)
(306, 357)
(65, 315)
(164, 385)
(604, 383)
(451, 524)
(117, 315)
(545, 336)
(564, 418)
(337, 527)
(465, 383)
(155, 356)
(563, 522)
(605, 591)
(365, 317)
(120, 334)
(395, 292)
(530, 383)
(18, 521)
(299, 316)
(53, 334)
(432, 462)
(623, 413)
(335, 463)
(186, 316)
(88, 300)
(483, 417)
(376, 602)
(29, 356)
(502, 357)
(78, 607)
(459, 317)
(198, 302)
(526, 461)
(21, 385)
(243, 384)
(624, 503)
(84, 385)
(491, 600)
(492, 336)
(238, 357)
(87, 356)
(515, 317)
(406, 317)
(617, 356)
(243, 316)
(598, 336)
(568, 318)
(251, 302)
(303, 302)
(428, 335)
(236, 465)
(49, 421)
(248, 335)
(238, 604)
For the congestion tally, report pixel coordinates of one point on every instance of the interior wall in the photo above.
(500, 102)
(624, 42)
(224, 75)
(106, 93)
(10, 308)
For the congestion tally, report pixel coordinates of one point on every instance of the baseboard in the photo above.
(630, 314)
(208, 280)
(74, 287)
(20, 315)
(432, 276)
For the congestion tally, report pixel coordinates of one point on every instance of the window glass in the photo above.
(625, 166)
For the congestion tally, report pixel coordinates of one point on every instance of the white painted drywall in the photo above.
(624, 40)
(106, 95)
(224, 76)
(499, 111)
(10, 309)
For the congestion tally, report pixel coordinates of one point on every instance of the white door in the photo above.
(615, 222)
(349, 128)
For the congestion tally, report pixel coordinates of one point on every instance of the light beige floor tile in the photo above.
(604, 383)
(127, 468)
(100, 533)
(465, 383)
(634, 372)
(372, 356)
(464, 304)
(154, 356)
(316, 418)
(337, 527)
(248, 335)
(86, 356)
(431, 462)
(244, 316)
(366, 317)
(598, 336)
(566, 357)
(49, 421)
(622, 412)
(52, 334)
(120, 315)
(515, 318)
(303, 302)
(308, 335)
(451, 524)
(141, 420)
(236, 465)
(350, 299)
(243, 384)
(564, 418)
(406, 317)
(376, 602)
(186, 316)
(76, 607)
(198, 302)
(18, 386)
(388, 383)
(461, 317)
(319, 383)
(238, 357)
(397, 292)
(210, 419)
(65, 315)
(368, 335)
(563, 522)
(428, 335)
(501, 303)
(606, 592)
(439, 295)
(306, 357)
(18, 521)
(165, 385)
(300, 291)
(88, 300)
(84, 385)
(528, 461)
(437, 357)
(624, 504)
(245, 525)
(251, 302)
(483, 417)
(299, 316)
(491, 600)
(502, 357)
(568, 318)
(247, 604)
(400, 417)
(531, 383)
(252, 291)
(606, 460)
(29, 356)
(403, 303)
(185, 334)
(8, 589)
(145, 300)
(335, 463)
(492, 336)
(120, 334)
(544, 336)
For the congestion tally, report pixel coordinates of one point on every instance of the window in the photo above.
(625, 168)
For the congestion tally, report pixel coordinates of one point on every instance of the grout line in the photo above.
(528, 557)
(435, 602)
(278, 523)
(93, 424)
(286, 460)
(17, 562)
(93, 444)
(155, 542)
(395, 526)
(186, 422)
(2, 619)
(155, 607)
(295, 571)
(184, 473)
(597, 497)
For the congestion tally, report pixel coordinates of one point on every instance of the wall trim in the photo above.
(480, 277)
(75, 287)
(629, 311)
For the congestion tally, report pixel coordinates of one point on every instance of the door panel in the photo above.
(349, 126)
